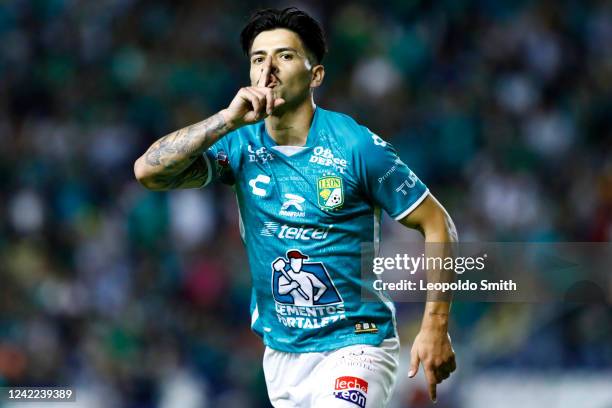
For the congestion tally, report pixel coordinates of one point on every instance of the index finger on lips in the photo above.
(270, 100)
(265, 72)
(256, 100)
(266, 98)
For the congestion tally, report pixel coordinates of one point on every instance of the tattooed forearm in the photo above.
(173, 150)
(192, 177)
(174, 160)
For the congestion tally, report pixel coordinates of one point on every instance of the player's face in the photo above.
(291, 72)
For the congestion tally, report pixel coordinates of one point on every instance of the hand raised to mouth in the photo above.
(254, 103)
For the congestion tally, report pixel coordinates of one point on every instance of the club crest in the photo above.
(330, 192)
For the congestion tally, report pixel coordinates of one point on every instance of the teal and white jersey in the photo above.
(304, 212)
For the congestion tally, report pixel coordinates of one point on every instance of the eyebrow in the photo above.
(277, 50)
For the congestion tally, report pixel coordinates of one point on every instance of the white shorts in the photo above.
(354, 376)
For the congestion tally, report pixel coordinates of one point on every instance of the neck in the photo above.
(290, 127)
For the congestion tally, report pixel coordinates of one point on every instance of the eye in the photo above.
(286, 57)
(257, 60)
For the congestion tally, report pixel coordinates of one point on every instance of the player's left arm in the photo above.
(390, 184)
(432, 345)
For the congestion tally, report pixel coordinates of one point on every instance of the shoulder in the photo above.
(339, 121)
(239, 138)
(353, 134)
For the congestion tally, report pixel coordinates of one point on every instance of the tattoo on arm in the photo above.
(178, 149)
(176, 155)
(193, 176)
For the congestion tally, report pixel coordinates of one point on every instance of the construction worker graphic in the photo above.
(302, 283)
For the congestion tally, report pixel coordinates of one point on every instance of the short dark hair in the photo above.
(291, 18)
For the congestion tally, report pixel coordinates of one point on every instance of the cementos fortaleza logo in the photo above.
(351, 389)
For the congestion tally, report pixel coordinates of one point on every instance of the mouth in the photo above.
(274, 82)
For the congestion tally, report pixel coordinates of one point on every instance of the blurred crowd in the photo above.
(140, 299)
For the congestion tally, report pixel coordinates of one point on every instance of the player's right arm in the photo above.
(176, 160)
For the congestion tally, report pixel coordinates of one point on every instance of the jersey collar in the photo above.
(311, 139)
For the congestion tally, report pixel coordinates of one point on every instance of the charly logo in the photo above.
(257, 185)
(330, 192)
(293, 206)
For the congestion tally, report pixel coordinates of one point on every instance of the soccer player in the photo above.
(310, 185)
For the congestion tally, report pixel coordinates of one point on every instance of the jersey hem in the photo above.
(413, 206)
(372, 341)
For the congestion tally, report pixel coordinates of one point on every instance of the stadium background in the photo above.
(140, 299)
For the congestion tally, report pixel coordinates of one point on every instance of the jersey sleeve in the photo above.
(388, 181)
(219, 158)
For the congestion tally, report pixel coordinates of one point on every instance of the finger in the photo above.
(252, 101)
(448, 365)
(452, 364)
(265, 72)
(259, 92)
(256, 100)
(268, 95)
(445, 370)
(431, 379)
(270, 100)
(266, 98)
(414, 363)
(442, 374)
(276, 101)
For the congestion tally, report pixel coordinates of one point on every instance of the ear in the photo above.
(318, 73)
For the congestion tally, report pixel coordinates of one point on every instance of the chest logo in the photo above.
(260, 155)
(293, 206)
(325, 157)
(301, 283)
(257, 184)
(330, 192)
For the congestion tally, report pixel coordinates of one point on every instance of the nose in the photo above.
(273, 66)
